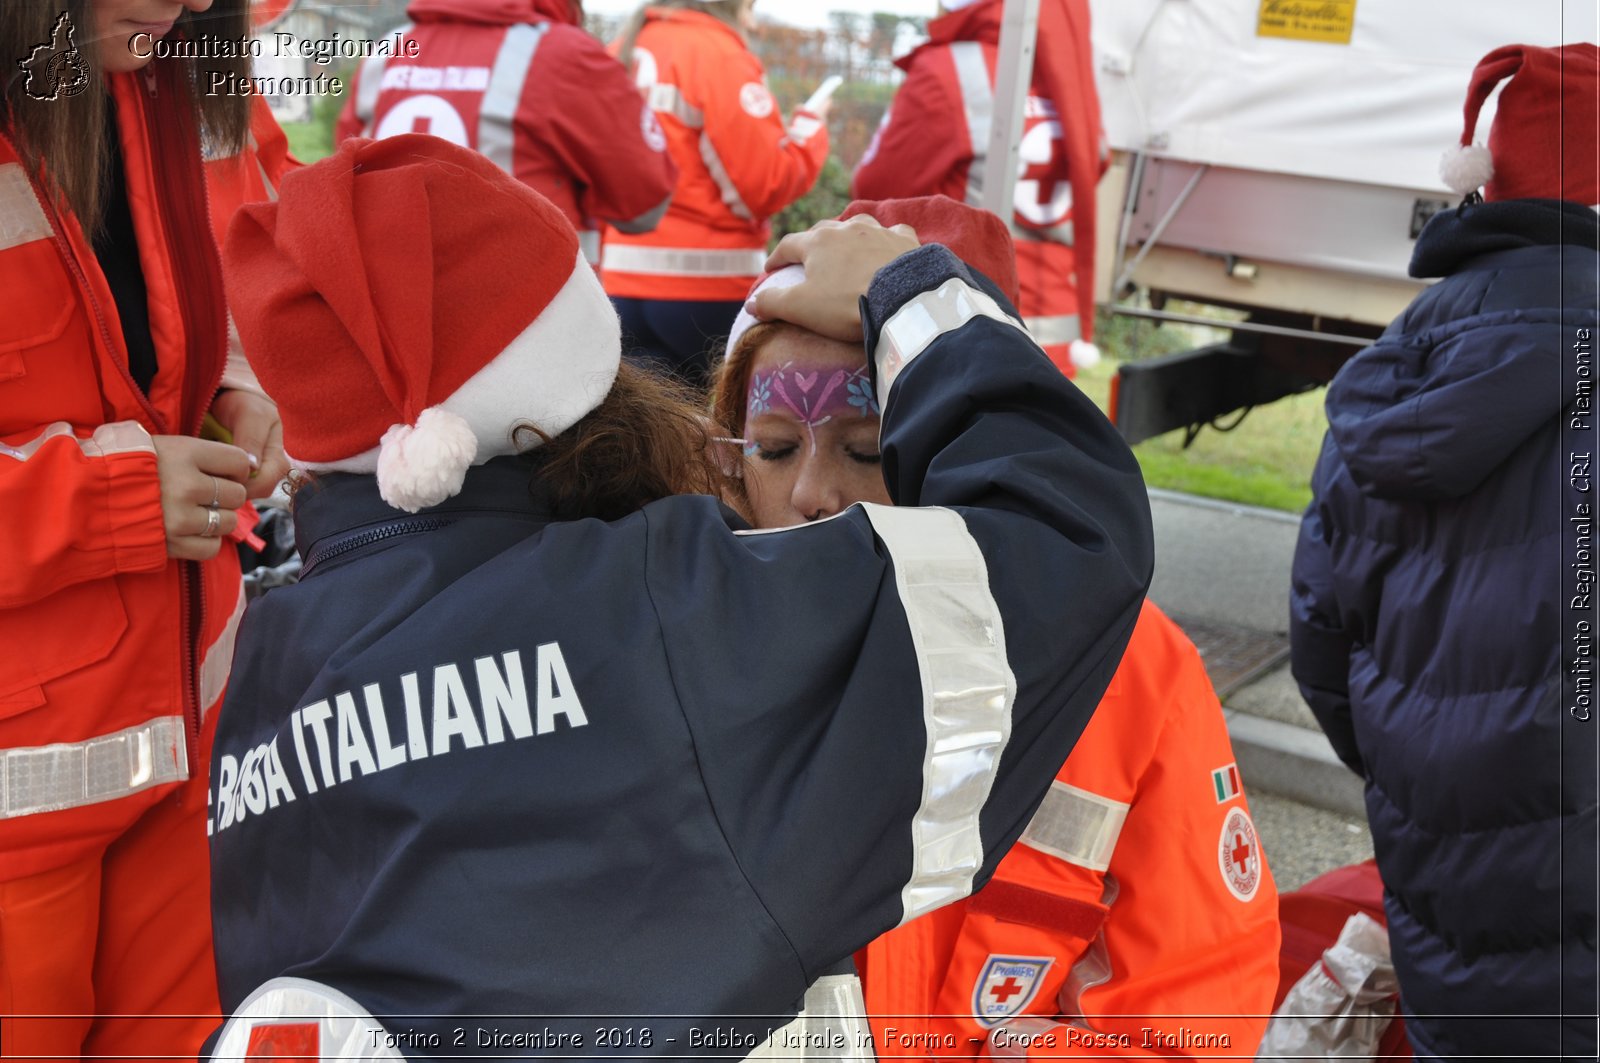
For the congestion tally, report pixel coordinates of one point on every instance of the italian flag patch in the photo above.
(1226, 782)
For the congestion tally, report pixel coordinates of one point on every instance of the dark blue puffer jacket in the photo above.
(1432, 615)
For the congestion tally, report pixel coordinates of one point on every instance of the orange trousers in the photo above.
(111, 957)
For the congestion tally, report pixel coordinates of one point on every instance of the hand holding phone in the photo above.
(817, 104)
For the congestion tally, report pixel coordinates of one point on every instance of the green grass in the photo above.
(309, 141)
(1266, 461)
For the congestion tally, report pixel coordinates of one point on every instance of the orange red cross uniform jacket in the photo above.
(113, 653)
(1138, 889)
(934, 141)
(536, 95)
(737, 163)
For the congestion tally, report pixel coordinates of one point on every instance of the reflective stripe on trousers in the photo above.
(50, 778)
(1060, 328)
(683, 261)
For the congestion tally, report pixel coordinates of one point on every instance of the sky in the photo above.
(809, 13)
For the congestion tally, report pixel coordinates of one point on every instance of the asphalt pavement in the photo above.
(1222, 572)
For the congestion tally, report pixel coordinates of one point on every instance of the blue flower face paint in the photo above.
(812, 394)
(811, 422)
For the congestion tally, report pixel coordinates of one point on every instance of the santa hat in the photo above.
(975, 236)
(409, 305)
(1543, 140)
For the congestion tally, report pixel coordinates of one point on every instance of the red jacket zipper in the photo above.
(197, 296)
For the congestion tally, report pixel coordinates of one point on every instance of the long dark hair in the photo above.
(66, 136)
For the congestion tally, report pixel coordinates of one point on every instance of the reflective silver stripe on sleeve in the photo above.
(668, 99)
(120, 437)
(22, 219)
(345, 1030)
(924, 319)
(977, 101)
(1076, 826)
(719, 173)
(218, 660)
(683, 261)
(832, 1025)
(72, 774)
(589, 244)
(370, 83)
(1062, 328)
(497, 112)
(967, 693)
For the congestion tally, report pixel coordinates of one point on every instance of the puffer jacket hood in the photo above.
(493, 12)
(1428, 414)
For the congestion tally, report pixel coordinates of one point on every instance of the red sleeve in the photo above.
(93, 510)
(606, 137)
(760, 166)
(1037, 908)
(922, 148)
(272, 145)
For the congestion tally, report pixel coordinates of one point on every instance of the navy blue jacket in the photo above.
(1431, 619)
(615, 781)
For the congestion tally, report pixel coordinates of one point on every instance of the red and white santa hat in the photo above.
(409, 305)
(1543, 141)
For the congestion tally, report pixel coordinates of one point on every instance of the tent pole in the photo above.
(1019, 34)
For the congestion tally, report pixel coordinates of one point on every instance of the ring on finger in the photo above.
(216, 493)
(213, 523)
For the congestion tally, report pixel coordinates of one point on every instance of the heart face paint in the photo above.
(813, 394)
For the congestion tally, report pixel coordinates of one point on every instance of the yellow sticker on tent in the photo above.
(1331, 21)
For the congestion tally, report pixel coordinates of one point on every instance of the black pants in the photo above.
(682, 336)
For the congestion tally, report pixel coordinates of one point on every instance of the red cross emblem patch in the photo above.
(1007, 985)
(1239, 854)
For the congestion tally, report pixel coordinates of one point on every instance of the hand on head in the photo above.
(840, 259)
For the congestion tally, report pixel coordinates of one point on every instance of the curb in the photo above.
(1238, 509)
(1293, 762)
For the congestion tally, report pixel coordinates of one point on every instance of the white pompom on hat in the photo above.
(1542, 143)
(1084, 354)
(409, 306)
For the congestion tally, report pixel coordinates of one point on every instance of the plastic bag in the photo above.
(1341, 1007)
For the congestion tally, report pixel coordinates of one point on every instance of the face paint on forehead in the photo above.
(814, 394)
